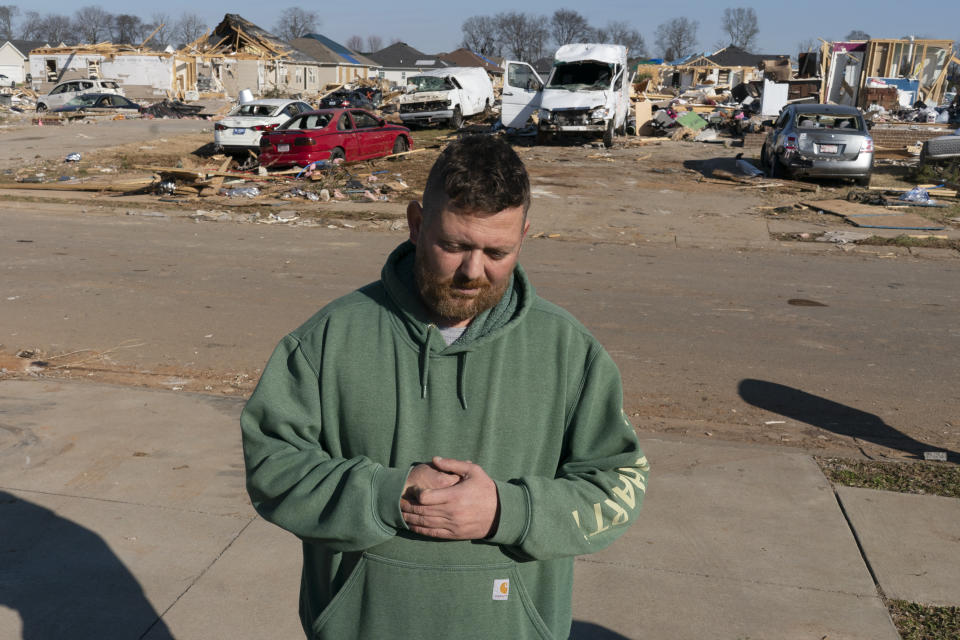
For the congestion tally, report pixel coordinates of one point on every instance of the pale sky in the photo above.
(435, 28)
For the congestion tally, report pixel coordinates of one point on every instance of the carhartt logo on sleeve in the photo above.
(501, 589)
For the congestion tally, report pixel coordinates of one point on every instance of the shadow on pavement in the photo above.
(64, 581)
(589, 631)
(831, 416)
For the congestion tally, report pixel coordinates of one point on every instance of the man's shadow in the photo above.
(588, 631)
(832, 416)
(65, 582)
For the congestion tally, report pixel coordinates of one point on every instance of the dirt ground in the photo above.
(582, 193)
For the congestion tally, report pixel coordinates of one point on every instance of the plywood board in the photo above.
(868, 216)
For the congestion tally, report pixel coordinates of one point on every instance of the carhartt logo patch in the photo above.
(501, 589)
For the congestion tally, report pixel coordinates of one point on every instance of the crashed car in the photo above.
(241, 128)
(362, 98)
(329, 134)
(98, 101)
(819, 141)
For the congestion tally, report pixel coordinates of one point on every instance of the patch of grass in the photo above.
(919, 622)
(930, 478)
(939, 171)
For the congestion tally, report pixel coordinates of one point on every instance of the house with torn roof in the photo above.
(239, 55)
(400, 61)
(142, 71)
(723, 69)
(336, 63)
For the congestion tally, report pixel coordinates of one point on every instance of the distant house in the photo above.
(463, 57)
(400, 61)
(15, 58)
(336, 63)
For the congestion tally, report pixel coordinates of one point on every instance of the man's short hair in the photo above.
(477, 174)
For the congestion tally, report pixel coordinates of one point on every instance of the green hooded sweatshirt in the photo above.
(365, 389)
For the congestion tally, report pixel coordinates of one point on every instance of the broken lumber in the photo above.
(132, 185)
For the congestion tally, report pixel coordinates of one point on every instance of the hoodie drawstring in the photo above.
(462, 379)
(425, 362)
(425, 370)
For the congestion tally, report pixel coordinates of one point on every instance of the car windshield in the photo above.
(256, 110)
(577, 76)
(429, 83)
(82, 101)
(829, 121)
(309, 121)
(107, 84)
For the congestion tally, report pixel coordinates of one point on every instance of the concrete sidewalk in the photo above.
(123, 515)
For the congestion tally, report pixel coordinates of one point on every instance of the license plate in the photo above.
(239, 132)
(283, 148)
(829, 148)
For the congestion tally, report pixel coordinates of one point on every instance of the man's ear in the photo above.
(414, 220)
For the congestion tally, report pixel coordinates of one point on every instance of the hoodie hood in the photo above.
(398, 279)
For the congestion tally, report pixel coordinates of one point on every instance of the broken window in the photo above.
(430, 83)
(579, 76)
(51, 67)
(827, 121)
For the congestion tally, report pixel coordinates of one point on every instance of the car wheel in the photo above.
(862, 182)
(543, 136)
(41, 107)
(764, 162)
(457, 120)
(399, 146)
(608, 135)
(336, 153)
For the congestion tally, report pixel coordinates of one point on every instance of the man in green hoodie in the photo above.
(444, 441)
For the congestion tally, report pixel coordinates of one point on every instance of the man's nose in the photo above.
(471, 267)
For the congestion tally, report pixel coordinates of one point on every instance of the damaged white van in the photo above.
(587, 93)
(446, 95)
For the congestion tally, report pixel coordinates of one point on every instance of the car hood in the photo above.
(554, 99)
(424, 96)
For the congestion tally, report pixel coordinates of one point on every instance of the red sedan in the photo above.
(328, 134)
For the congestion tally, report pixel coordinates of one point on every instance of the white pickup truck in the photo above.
(446, 95)
(587, 93)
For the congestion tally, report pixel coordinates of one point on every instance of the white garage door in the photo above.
(14, 71)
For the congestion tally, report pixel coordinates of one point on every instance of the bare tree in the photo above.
(55, 28)
(480, 35)
(188, 28)
(91, 24)
(7, 12)
(523, 36)
(374, 43)
(677, 37)
(296, 22)
(618, 32)
(127, 29)
(568, 26)
(741, 26)
(164, 27)
(857, 34)
(354, 43)
(31, 28)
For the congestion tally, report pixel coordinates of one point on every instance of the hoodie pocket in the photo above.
(387, 598)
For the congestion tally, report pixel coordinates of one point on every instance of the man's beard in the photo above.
(449, 306)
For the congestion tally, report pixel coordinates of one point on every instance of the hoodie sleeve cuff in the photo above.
(387, 486)
(514, 514)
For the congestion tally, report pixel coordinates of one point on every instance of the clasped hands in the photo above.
(451, 499)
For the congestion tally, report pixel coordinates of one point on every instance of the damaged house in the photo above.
(723, 69)
(239, 55)
(890, 73)
(336, 63)
(142, 71)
